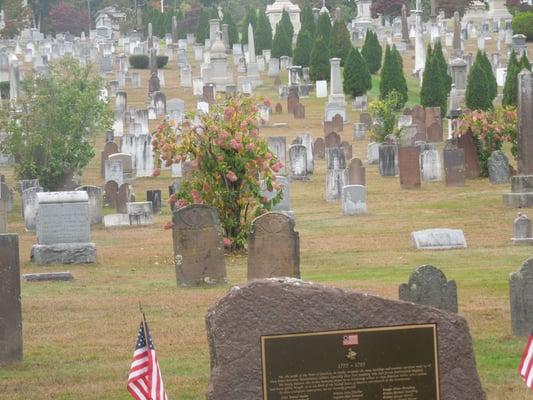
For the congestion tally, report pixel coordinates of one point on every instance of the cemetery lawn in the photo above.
(79, 336)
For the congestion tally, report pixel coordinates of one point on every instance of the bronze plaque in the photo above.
(390, 363)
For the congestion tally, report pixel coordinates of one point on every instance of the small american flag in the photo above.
(526, 364)
(145, 381)
(350, 340)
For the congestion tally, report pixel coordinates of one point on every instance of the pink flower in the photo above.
(181, 203)
(232, 177)
(277, 166)
(156, 172)
(254, 133)
(235, 145)
(268, 156)
(226, 242)
(228, 113)
(196, 196)
(223, 134)
(251, 146)
(168, 225)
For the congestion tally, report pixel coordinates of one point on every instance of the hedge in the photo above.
(142, 61)
(523, 23)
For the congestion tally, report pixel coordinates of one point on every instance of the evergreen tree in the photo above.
(249, 18)
(392, 77)
(264, 34)
(524, 62)
(443, 67)
(202, 29)
(233, 33)
(282, 44)
(433, 92)
(357, 79)
(319, 67)
(324, 27)
(302, 51)
(308, 20)
(340, 43)
(478, 89)
(510, 89)
(372, 52)
(487, 68)
(285, 21)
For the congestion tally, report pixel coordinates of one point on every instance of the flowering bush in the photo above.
(490, 130)
(229, 162)
(385, 115)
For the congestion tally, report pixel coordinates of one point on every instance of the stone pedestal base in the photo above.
(64, 253)
(518, 200)
(528, 241)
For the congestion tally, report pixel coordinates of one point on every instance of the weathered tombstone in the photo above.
(428, 286)
(498, 166)
(359, 131)
(522, 230)
(319, 148)
(409, 163)
(306, 139)
(109, 148)
(335, 173)
(273, 247)
(299, 111)
(354, 199)
(521, 195)
(430, 165)
(48, 276)
(347, 148)
(10, 308)
(366, 118)
(433, 125)
(114, 171)
(63, 229)
(332, 140)
(154, 196)
(278, 146)
(140, 213)
(292, 99)
(521, 298)
(338, 123)
(388, 159)
(6, 194)
(356, 172)
(30, 206)
(123, 198)
(419, 119)
(28, 183)
(372, 153)
(95, 203)
(110, 194)
(335, 319)
(298, 162)
(438, 239)
(198, 249)
(472, 167)
(454, 166)
(525, 123)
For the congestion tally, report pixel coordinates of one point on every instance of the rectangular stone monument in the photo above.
(140, 213)
(10, 307)
(409, 164)
(525, 123)
(388, 160)
(278, 145)
(273, 247)
(520, 289)
(63, 229)
(454, 167)
(438, 239)
(354, 199)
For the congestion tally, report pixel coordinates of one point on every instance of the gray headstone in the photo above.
(278, 146)
(354, 199)
(236, 323)
(95, 203)
(335, 173)
(388, 160)
(298, 162)
(521, 298)
(273, 247)
(428, 286)
(430, 165)
(48, 276)
(522, 230)
(10, 308)
(439, 239)
(30, 206)
(140, 213)
(198, 248)
(498, 166)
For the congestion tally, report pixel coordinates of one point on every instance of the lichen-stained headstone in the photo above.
(521, 298)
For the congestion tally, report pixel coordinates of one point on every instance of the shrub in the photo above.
(229, 160)
(478, 89)
(139, 61)
(372, 52)
(319, 66)
(490, 130)
(340, 43)
(323, 27)
(51, 136)
(202, 28)
(510, 89)
(302, 50)
(357, 79)
(385, 115)
(392, 77)
(65, 17)
(282, 43)
(162, 61)
(523, 23)
(264, 34)
(433, 92)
